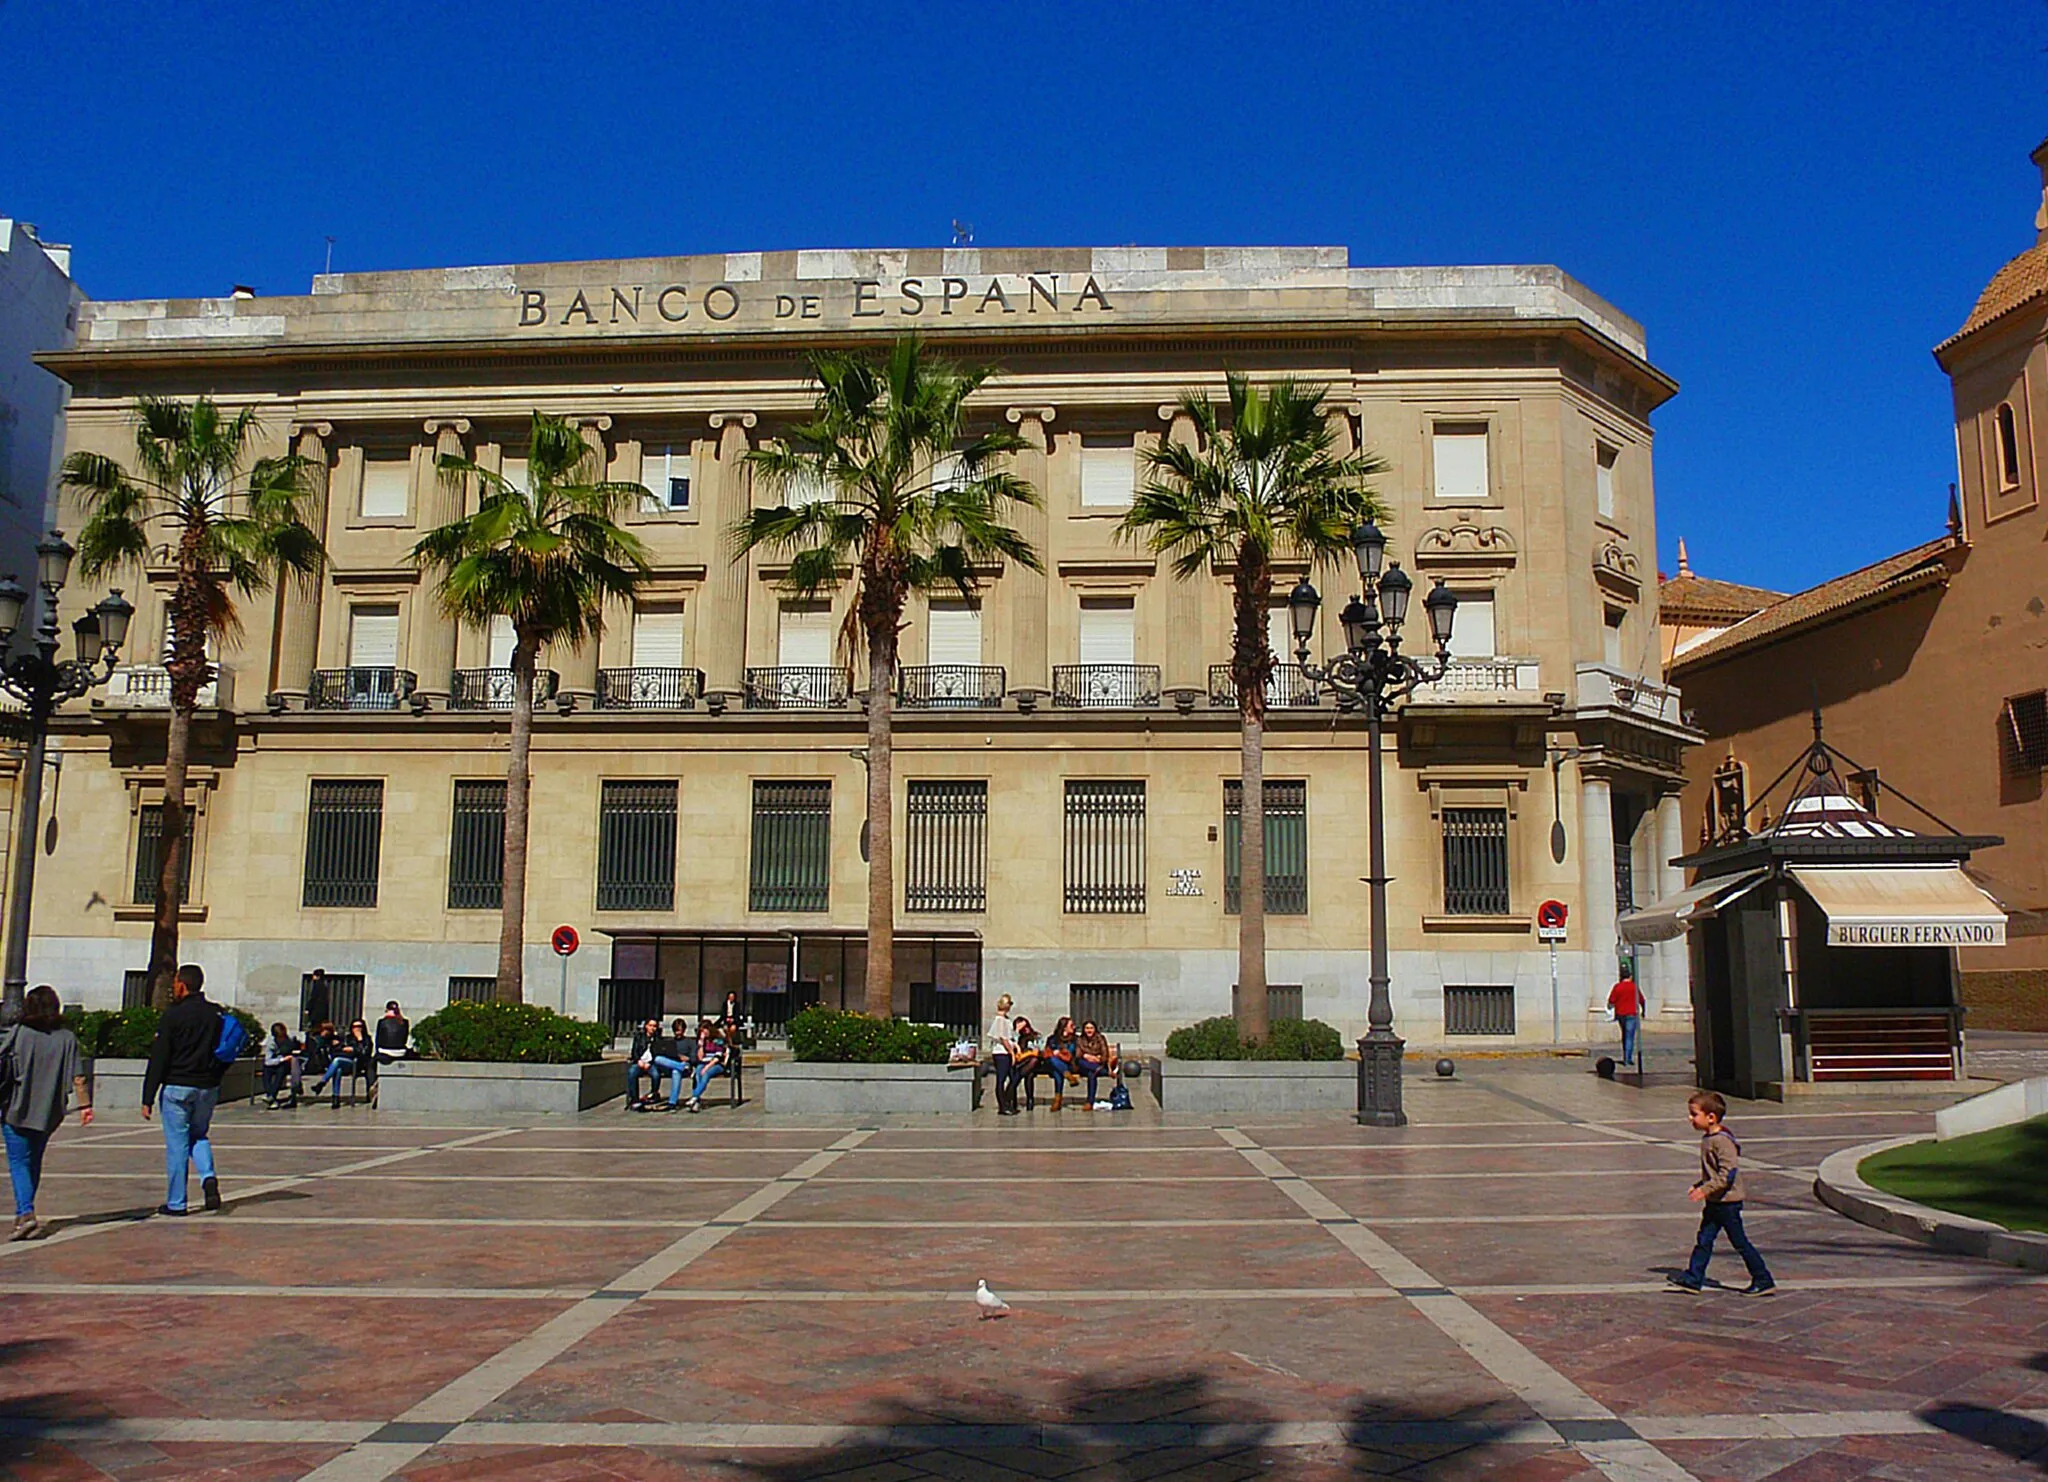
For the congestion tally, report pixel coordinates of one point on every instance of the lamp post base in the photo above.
(1379, 1080)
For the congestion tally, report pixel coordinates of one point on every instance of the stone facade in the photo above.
(1511, 404)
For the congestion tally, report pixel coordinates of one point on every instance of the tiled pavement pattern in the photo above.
(1476, 1295)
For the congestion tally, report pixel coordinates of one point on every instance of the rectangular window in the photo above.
(953, 634)
(332, 998)
(804, 488)
(135, 988)
(1112, 1006)
(1109, 468)
(1105, 848)
(373, 637)
(387, 488)
(344, 838)
(500, 642)
(1604, 460)
(1458, 455)
(513, 470)
(636, 846)
(1611, 651)
(665, 473)
(1476, 861)
(149, 853)
(472, 990)
(792, 856)
(658, 635)
(476, 846)
(2026, 717)
(946, 855)
(946, 472)
(1286, 848)
(1109, 631)
(1472, 635)
(1485, 1009)
(804, 636)
(1283, 1001)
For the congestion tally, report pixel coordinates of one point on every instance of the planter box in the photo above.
(117, 1084)
(1212, 1086)
(793, 1087)
(475, 1086)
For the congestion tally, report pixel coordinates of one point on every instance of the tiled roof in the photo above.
(1689, 596)
(2019, 282)
(1891, 577)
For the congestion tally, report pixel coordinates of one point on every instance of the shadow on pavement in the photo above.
(2016, 1436)
(1132, 1428)
(17, 1443)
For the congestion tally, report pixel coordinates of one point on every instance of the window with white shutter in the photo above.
(513, 470)
(373, 637)
(658, 636)
(387, 488)
(1109, 631)
(665, 474)
(1472, 633)
(1458, 454)
(503, 641)
(1603, 477)
(804, 639)
(1109, 470)
(953, 635)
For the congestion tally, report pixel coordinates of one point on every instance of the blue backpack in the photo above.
(1119, 1097)
(234, 1038)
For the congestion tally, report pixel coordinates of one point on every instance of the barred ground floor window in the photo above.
(1286, 847)
(636, 846)
(791, 867)
(476, 846)
(946, 853)
(1475, 861)
(1104, 848)
(344, 841)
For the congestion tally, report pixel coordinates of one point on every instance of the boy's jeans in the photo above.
(188, 1113)
(1630, 1024)
(25, 1164)
(678, 1071)
(1715, 1218)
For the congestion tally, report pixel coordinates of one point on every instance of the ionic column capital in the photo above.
(435, 426)
(744, 419)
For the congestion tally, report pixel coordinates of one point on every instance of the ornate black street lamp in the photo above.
(41, 682)
(1373, 675)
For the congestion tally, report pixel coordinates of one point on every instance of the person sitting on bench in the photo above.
(648, 1043)
(676, 1062)
(1093, 1057)
(710, 1062)
(392, 1034)
(280, 1062)
(345, 1054)
(1058, 1059)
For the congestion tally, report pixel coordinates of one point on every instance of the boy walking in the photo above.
(1719, 1194)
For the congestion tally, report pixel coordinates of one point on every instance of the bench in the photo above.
(734, 1063)
(984, 1068)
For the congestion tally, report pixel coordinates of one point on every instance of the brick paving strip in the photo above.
(398, 1442)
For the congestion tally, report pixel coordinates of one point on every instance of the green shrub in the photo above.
(126, 1034)
(821, 1034)
(1288, 1039)
(509, 1033)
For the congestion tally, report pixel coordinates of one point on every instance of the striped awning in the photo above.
(1902, 906)
(1661, 921)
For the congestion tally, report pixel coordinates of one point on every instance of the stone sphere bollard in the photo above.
(1445, 1068)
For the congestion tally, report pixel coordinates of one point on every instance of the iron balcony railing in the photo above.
(495, 689)
(1106, 686)
(649, 689)
(799, 687)
(360, 689)
(950, 687)
(1288, 689)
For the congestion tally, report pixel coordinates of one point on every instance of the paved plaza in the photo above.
(731, 1295)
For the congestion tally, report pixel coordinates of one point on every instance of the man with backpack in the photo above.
(194, 1047)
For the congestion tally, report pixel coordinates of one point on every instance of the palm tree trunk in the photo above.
(1251, 669)
(881, 980)
(163, 933)
(518, 791)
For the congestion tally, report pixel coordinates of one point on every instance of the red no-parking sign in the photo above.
(1550, 919)
(566, 941)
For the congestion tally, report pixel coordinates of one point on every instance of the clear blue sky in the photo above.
(1797, 201)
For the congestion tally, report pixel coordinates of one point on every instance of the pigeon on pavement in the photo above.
(990, 1304)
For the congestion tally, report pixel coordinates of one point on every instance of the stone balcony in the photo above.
(1602, 687)
(148, 687)
(1495, 681)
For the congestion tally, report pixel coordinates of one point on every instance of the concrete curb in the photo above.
(1843, 1190)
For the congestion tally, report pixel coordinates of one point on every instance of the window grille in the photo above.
(1283, 1001)
(336, 999)
(135, 988)
(792, 857)
(624, 1004)
(472, 990)
(636, 846)
(2027, 718)
(1286, 848)
(344, 834)
(149, 853)
(1479, 1010)
(476, 846)
(946, 866)
(1113, 1006)
(1476, 861)
(1105, 848)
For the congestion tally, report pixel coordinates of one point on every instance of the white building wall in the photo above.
(38, 311)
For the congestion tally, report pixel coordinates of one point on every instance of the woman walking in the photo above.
(46, 1069)
(1001, 1045)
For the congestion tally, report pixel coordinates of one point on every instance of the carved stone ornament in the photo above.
(1616, 568)
(1465, 545)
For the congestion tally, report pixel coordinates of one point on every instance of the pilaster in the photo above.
(1027, 659)
(1186, 665)
(722, 625)
(430, 650)
(298, 599)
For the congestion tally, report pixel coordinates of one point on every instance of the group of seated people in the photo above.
(1069, 1053)
(681, 1056)
(329, 1056)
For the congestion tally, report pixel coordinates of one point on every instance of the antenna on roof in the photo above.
(963, 233)
(330, 257)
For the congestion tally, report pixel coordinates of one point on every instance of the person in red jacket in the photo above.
(1626, 1000)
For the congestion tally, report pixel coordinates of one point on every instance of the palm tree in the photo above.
(1269, 484)
(188, 503)
(908, 503)
(547, 558)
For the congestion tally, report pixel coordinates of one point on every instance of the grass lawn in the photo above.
(2000, 1175)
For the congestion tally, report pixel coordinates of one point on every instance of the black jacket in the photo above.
(391, 1034)
(183, 1052)
(659, 1045)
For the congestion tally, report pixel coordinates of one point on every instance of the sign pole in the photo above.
(565, 941)
(1550, 926)
(1556, 1023)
